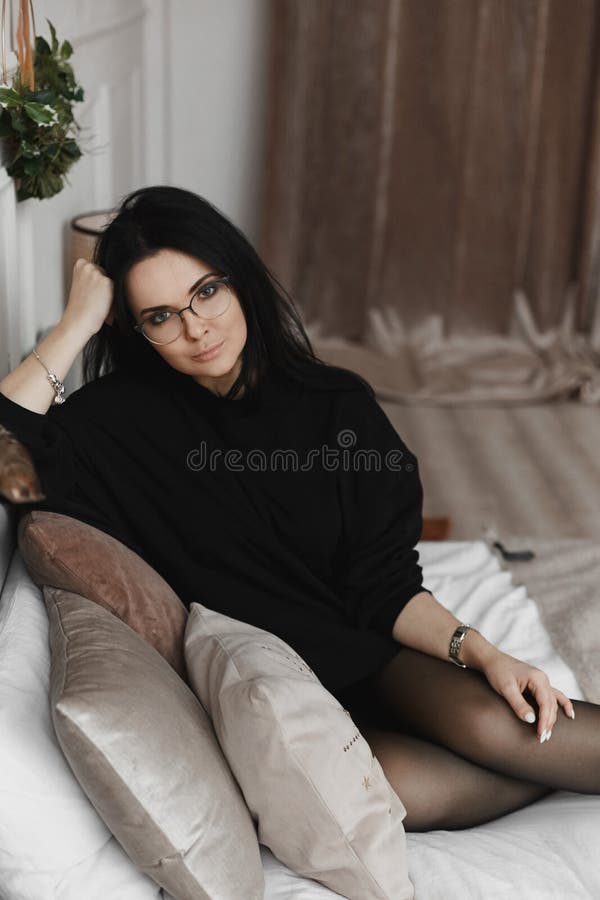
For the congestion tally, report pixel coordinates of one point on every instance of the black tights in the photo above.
(455, 751)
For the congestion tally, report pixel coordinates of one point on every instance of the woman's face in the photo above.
(166, 280)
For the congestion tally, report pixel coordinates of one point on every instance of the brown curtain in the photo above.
(432, 192)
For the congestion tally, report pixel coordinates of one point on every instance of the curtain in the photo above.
(432, 192)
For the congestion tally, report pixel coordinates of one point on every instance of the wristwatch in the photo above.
(456, 643)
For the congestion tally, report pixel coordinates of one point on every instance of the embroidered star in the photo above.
(366, 782)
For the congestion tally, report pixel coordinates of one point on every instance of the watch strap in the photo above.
(456, 642)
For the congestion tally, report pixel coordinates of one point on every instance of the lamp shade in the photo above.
(85, 230)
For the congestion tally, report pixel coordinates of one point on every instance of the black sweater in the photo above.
(319, 551)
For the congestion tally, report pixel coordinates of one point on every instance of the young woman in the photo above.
(272, 487)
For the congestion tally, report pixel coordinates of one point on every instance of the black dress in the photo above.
(258, 507)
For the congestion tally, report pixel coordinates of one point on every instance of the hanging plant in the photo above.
(37, 127)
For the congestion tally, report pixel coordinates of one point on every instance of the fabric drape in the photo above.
(432, 193)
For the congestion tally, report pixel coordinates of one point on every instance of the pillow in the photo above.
(19, 481)
(145, 753)
(63, 552)
(320, 798)
(53, 842)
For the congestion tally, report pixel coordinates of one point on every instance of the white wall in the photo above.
(216, 118)
(174, 94)
(108, 61)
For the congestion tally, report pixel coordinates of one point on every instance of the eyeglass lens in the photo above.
(164, 326)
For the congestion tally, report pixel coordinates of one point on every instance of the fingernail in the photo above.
(549, 735)
(529, 717)
(572, 713)
(543, 736)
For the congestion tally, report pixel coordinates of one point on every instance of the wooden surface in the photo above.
(435, 528)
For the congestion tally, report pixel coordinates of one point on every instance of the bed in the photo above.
(547, 850)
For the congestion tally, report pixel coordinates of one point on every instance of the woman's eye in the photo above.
(156, 318)
(207, 287)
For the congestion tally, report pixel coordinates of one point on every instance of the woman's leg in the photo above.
(441, 789)
(457, 709)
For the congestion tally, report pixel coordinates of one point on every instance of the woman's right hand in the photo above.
(90, 302)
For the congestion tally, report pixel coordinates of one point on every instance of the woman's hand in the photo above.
(90, 302)
(510, 677)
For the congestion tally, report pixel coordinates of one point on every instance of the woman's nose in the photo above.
(193, 325)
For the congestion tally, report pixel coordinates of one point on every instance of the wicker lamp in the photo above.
(85, 230)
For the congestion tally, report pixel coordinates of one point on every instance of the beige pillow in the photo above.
(320, 798)
(145, 753)
(63, 552)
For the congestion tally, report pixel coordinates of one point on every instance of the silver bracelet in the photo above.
(58, 386)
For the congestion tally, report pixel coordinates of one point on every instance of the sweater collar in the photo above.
(271, 391)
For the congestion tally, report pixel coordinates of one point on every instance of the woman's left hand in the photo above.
(510, 677)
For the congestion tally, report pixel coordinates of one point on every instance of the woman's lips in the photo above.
(209, 354)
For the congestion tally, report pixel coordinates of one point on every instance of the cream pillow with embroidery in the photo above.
(320, 798)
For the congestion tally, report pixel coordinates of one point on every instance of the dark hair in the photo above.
(161, 216)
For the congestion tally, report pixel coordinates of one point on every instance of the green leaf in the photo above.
(18, 154)
(46, 96)
(17, 122)
(20, 194)
(53, 33)
(71, 149)
(66, 50)
(42, 47)
(38, 113)
(9, 97)
(33, 166)
(6, 128)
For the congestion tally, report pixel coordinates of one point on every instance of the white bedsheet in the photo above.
(550, 849)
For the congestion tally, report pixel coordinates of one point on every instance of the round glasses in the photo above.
(209, 301)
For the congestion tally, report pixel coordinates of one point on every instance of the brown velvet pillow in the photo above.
(18, 478)
(63, 552)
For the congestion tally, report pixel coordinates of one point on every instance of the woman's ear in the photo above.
(111, 315)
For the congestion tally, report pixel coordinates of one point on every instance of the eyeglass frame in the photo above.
(224, 279)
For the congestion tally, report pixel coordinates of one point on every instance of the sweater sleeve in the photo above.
(65, 454)
(381, 498)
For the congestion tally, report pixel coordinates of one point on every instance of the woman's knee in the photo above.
(441, 789)
(417, 771)
(431, 698)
